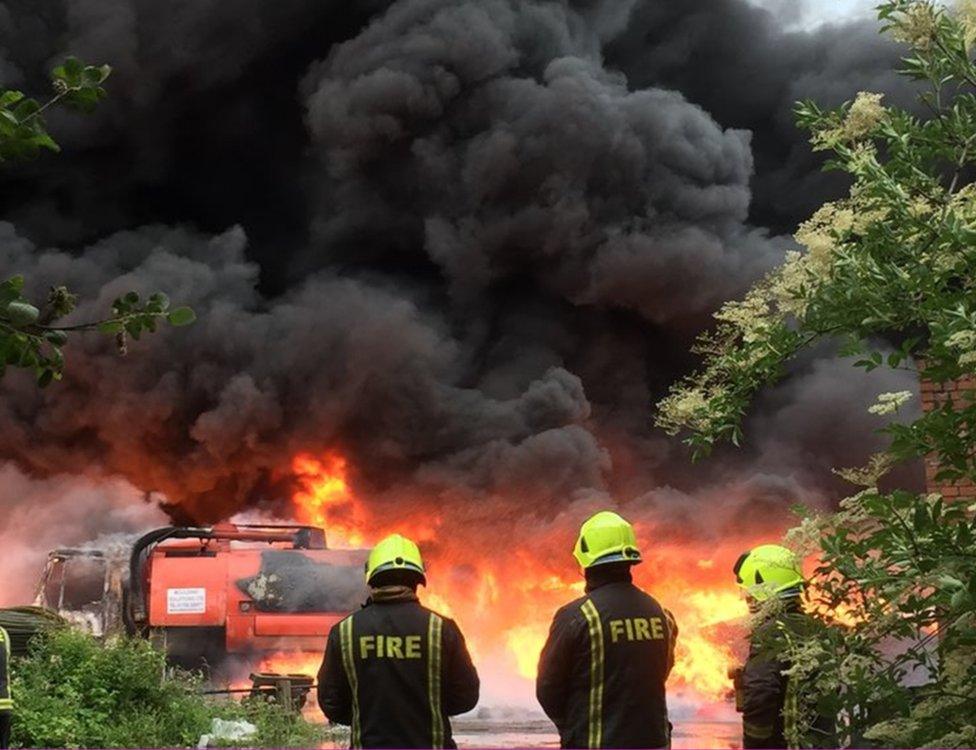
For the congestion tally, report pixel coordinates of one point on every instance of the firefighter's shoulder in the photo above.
(446, 622)
(572, 611)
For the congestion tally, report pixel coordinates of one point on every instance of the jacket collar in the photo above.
(598, 576)
(390, 594)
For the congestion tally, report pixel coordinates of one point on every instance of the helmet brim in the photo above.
(616, 557)
(406, 565)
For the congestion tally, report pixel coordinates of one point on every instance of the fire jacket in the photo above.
(762, 697)
(6, 701)
(763, 690)
(394, 671)
(603, 669)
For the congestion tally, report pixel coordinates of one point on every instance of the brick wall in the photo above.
(933, 395)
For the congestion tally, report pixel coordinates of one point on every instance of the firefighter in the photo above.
(603, 668)
(394, 671)
(6, 700)
(770, 572)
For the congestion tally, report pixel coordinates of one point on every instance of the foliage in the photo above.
(894, 261)
(27, 337)
(30, 336)
(23, 132)
(74, 691)
(895, 591)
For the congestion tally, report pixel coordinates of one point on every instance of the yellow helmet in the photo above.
(769, 570)
(396, 552)
(605, 538)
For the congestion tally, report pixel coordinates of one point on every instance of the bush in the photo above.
(75, 691)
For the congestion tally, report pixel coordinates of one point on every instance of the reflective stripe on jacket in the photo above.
(394, 672)
(6, 700)
(603, 669)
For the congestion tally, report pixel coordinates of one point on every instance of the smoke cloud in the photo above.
(463, 243)
(60, 511)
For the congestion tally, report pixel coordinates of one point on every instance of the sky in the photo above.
(810, 14)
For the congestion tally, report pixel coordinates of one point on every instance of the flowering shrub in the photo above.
(895, 260)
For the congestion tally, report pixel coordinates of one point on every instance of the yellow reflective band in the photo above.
(596, 672)
(349, 662)
(6, 704)
(791, 712)
(759, 731)
(434, 680)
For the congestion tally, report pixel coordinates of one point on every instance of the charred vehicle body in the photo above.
(209, 593)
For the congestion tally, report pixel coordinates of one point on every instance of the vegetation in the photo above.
(74, 691)
(30, 335)
(894, 261)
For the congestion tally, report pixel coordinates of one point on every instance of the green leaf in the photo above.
(14, 282)
(110, 327)
(56, 338)
(159, 301)
(25, 109)
(10, 97)
(73, 66)
(181, 316)
(43, 140)
(22, 314)
(94, 75)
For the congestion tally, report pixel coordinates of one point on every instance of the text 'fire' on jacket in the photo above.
(395, 671)
(603, 669)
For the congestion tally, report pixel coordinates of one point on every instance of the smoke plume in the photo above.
(463, 243)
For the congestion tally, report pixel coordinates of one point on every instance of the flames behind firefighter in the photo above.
(603, 669)
(395, 671)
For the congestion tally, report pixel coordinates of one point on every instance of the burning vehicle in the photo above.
(209, 593)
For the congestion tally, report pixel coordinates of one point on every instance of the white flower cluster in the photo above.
(889, 403)
(917, 26)
(965, 343)
(966, 13)
(864, 115)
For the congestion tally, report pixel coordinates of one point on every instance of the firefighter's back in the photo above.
(603, 669)
(395, 647)
(635, 634)
(395, 671)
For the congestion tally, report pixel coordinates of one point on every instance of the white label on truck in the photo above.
(186, 601)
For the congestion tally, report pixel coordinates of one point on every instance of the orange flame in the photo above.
(504, 604)
(324, 499)
(292, 662)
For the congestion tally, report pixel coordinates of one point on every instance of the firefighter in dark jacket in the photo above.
(395, 671)
(6, 700)
(772, 578)
(609, 653)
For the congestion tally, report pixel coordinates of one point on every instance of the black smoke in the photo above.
(465, 243)
(293, 582)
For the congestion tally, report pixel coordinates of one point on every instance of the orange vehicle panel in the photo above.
(298, 625)
(188, 591)
(190, 584)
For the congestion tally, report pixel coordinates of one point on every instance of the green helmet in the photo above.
(769, 570)
(396, 552)
(606, 538)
